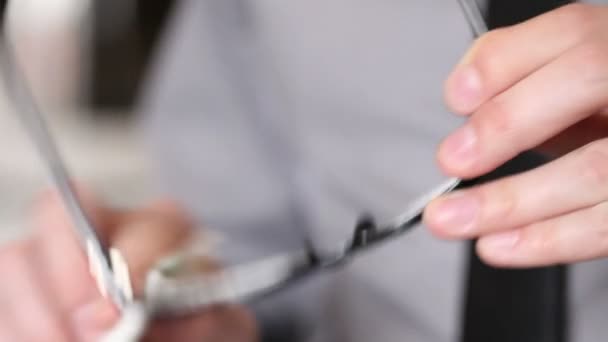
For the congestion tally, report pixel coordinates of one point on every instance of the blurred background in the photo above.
(85, 60)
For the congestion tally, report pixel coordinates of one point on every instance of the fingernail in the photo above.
(459, 149)
(501, 241)
(93, 318)
(455, 213)
(464, 89)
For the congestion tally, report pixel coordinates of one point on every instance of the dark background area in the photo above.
(120, 59)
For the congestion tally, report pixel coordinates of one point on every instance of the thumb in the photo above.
(142, 236)
(63, 263)
(58, 248)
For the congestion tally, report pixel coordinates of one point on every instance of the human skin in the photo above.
(47, 293)
(541, 84)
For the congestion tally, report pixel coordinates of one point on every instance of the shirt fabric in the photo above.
(277, 120)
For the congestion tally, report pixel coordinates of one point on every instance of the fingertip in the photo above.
(429, 220)
(143, 239)
(166, 206)
(445, 166)
(467, 164)
(50, 205)
(488, 258)
(463, 90)
(170, 210)
(92, 320)
(499, 249)
(458, 153)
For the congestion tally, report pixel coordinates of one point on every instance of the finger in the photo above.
(58, 249)
(575, 181)
(91, 321)
(142, 236)
(578, 236)
(503, 57)
(219, 324)
(24, 299)
(65, 268)
(7, 330)
(547, 102)
(146, 235)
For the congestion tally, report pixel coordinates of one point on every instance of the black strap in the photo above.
(515, 305)
(509, 12)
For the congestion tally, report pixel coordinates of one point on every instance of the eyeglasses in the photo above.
(171, 289)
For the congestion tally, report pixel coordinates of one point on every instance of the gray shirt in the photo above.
(274, 120)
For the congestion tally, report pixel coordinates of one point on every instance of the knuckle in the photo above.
(539, 241)
(594, 62)
(14, 256)
(497, 118)
(599, 224)
(580, 17)
(591, 59)
(503, 205)
(49, 331)
(48, 200)
(486, 53)
(599, 218)
(548, 245)
(594, 164)
(45, 209)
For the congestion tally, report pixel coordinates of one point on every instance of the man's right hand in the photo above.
(47, 293)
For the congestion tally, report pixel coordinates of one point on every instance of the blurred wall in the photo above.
(82, 64)
(91, 53)
(50, 38)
